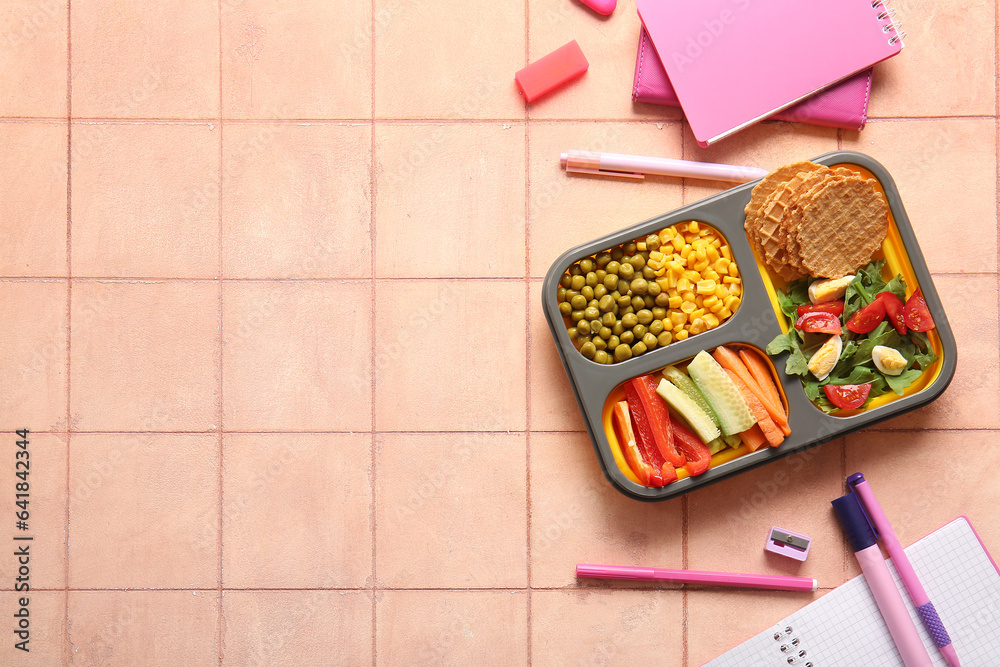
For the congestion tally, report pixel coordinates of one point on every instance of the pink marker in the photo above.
(884, 531)
(602, 7)
(890, 604)
(768, 581)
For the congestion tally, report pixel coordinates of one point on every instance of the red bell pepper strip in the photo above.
(694, 449)
(626, 441)
(645, 441)
(644, 390)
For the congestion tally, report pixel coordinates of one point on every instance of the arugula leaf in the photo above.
(897, 286)
(900, 382)
(797, 294)
(781, 343)
(924, 356)
(797, 363)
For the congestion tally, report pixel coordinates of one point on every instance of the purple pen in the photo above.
(883, 531)
(890, 604)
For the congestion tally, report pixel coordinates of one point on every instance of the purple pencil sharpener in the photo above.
(786, 543)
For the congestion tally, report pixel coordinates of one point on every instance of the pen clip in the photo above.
(578, 164)
(852, 484)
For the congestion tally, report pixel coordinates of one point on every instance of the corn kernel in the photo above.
(664, 284)
(710, 301)
(657, 256)
(679, 328)
(677, 240)
(736, 290)
(693, 276)
(677, 318)
(662, 271)
(699, 254)
(641, 246)
(721, 291)
(688, 307)
(693, 227)
(699, 300)
(734, 271)
(685, 251)
(712, 254)
(726, 252)
(689, 296)
(717, 243)
(681, 335)
(697, 326)
(696, 313)
(700, 266)
(711, 320)
(706, 287)
(683, 285)
(722, 265)
(677, 267)
(717, 308)
(725, 313)
(675, 301)
(711, 275)
(732, 280)
(667, 234)
(734, 304)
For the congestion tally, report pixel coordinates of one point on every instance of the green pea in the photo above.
(648, 273)
(579, 302)
(613, 267)
(601, 357)
(624, 301)
(591, 279)
(664, 338)
(618, 328)
(592, 303)
(627, 337)
(588, 350)
(578, 282)
(654, 288)
(560, 294)
(576, 315)
(639, 330)
(588, 292)
(637, 261)
(613, 342)
(647, 301)
(600, 291)
(616, 253)
(626, 310)
(662, 300)
(565, 309)
(583, 327)
(645, 316)
(638, 348)
(606, 303)
(626, 271)
(659, 313)
(603, 259)
(639, 286)
(599, 343)
(611, 281)
(623, 286)
(586, 265)
(608, 319)
(566, 280)
(638, 303)
(623, 352)
(583, 339)
(601, 275)
(649, 340)
(656, 327)
(574, 270)
(591, 313)
(595, 326)
(652, 242)
(630, 320)
(629, 248)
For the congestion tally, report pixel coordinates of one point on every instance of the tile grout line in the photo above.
(527, 347)
(684, 498)
(372, 185)
(67, 653)
(221, 406)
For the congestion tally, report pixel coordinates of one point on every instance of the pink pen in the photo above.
(890, 604)
(635, 167)
(768, 581)
(918, 595)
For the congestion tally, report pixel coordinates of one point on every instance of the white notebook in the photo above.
(844, 627)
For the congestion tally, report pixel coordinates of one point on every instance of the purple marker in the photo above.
(890, 603)
(883, 530)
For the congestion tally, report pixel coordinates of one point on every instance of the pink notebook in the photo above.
(733, 63)
(843, 105)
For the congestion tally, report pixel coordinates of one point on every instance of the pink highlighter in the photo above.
(602, 7)
(890, 603)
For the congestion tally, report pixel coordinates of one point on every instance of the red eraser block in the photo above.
(563, 64)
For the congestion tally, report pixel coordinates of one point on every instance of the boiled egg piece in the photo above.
(832, 289)
(888, 360)
(822, 362)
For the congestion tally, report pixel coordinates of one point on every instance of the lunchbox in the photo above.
(757, 321)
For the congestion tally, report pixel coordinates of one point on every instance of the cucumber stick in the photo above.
(725, 399)
(684, 383)
(716, 446)
(696, 418)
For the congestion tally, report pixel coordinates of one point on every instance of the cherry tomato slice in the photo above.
(918, 316)
(867, 318)
(817, 322)
(893, 310)
(835, 307)
(847, 396)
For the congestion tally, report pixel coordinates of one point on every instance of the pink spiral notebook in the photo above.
(844, 105)
(733, 63)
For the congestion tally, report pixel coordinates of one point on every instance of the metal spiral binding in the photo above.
(889, 14)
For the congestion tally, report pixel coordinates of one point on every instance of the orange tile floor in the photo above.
(270, 286)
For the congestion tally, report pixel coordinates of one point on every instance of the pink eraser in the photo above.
(550, 72)
(786, 543)
(603, 7)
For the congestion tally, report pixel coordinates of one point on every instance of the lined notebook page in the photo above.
(844, 627)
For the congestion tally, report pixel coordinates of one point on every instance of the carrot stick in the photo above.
(767, 426)
(758, 369)
(728, 359)
(753, 438)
